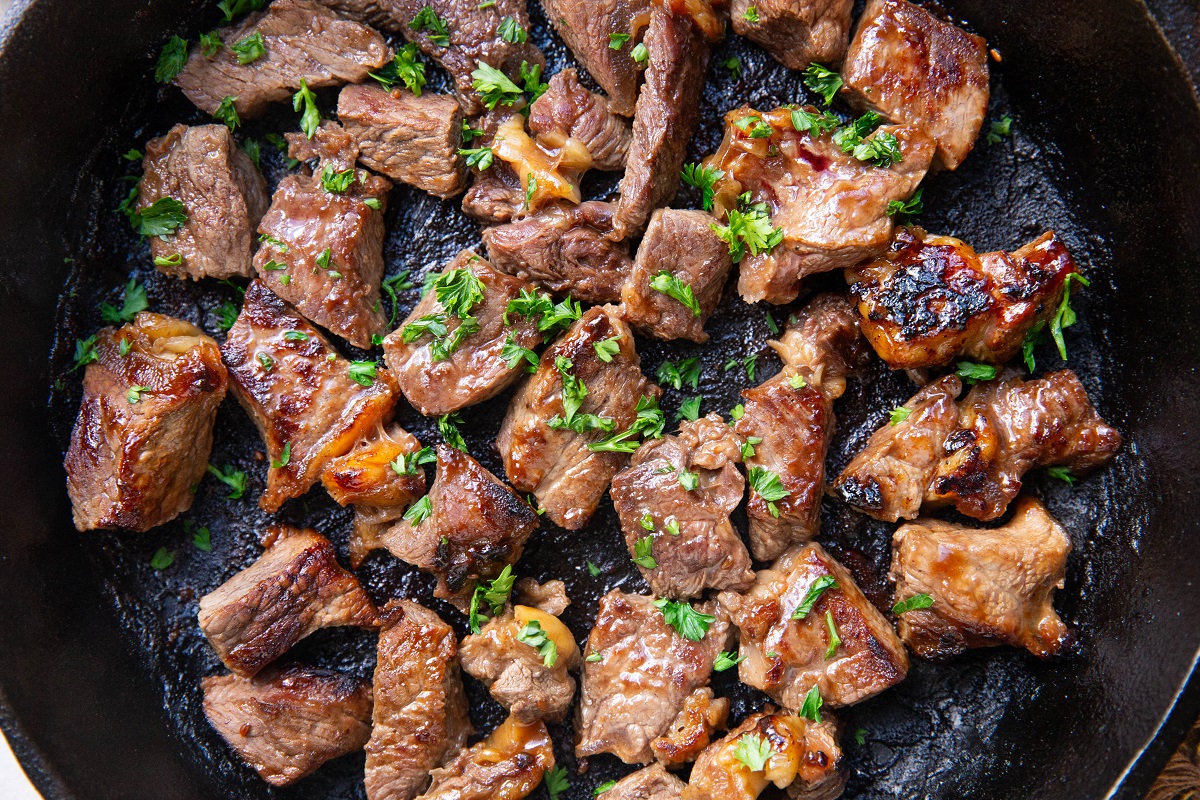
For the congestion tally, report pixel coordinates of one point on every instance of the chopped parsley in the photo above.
(573, 393)
(419, 511)
(250, 49)
(1000, 130)
(898, 415)
(405, 67)
(672, 526)
(811, 708)
(670, 285)
(860, 736)
(1064, 317)
(336, 183)
(690, 481)
(494, 87)
(822, 81)
(481, 158)
(556, 779)
(1063, 474)
(767, 485)
(448, 428)
(234, 479)
(818, 588)
(750, 365)
(690, 409)
(162, 558)
(687, 621)
(457, 291)
(210, 43)
(703, 178)
(797, 381)
(390, 286)
(813, 123)
(647, 521)
(906, 208)
(882, 149)
(607, 349)
(160, 218)
(737, 412)
(617, 40)
(750, 14)
(727, 660)
(531, 186)
(285, 457)
(643, 553)
(676, 375)
(202, 540)
(513, 354)
(594, 658)
(134, 395)
(227, 113)
(748, 446)
(85, 352)
(914, 603)
(253, 151)
(363, 372)
(511, 31)
(531, 77)
(282, 146)
(311, 118)
(835, 641)
(494, 594)
(133, 300)
(533, 635)
(971, 372)
(231, 8)
(171, 60)
(373, 203)
(435, 27)
(754, 127)
(531, 303)
(265, 361)
(295, 336)
(602, 788)
(469, 134)
(592, 569)
(640, 53)
(772, 325)
(407, 464)
(227, 314)
(133, 155)
(734, 65)
(749, 228)
(647, 424)
(752, 750)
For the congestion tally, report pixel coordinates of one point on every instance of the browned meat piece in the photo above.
(420, 716)
(475, 526)
(407, 138)
(516, 673)
(550, 596)
(646, 673)
(508, 765)
(682, 245)
(796, 32)
(554, 462)
(804, 759)
(585, 27)
(889, 478)
(299, 393)
(145, 426)
(569, 111)
(377, 473)
(294, 588)
(302, 41)
(989, 586)
(287, 722)
(223, 193)
(1009, 426)
(443, 373)
(931, 299)
(786, 657)
(379, 14)
(496, 196)
(693, 544)
(565, 249)
(649, 783)
(668, 110)
(323, 251)
(692, 730)
(917, 70)
(823, 343)
(831, 207)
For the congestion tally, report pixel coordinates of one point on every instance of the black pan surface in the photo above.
(100, 654)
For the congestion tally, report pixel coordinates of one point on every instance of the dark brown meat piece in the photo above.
(932, 299)
(323, 251)
(585, 27)
(682, 244)
(692, 730)
(508, 765)
(649, 783)
(301, 39)
(298, 391)
(476, 525)
(989, 586)
(515, 673)
(786, 657)
(668, 110)
(223, 192)
(287, 722)
(567, 478)
(145, 426)
(569, 111)
(496, 196)
(693, 543)
(831, 207)
(915, 69)
(804, 759)
(410, 139)
(382, 15)
(294, 588)
(646, 673)
(1009, 426)
(565, 249)
(823, 344)
(476, 370)
(796, 32)
(420, 716)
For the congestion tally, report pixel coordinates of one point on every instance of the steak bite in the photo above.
(322, 248)
(450, 351)
(679, 253)
(145, 426)
(467, 529)
(989, 586)
(547, 447)
(803, 758)
(806, 624)
(302, 41)
(915, 69)
(648, 783)
(681, 538)
(565, 249)
(692, 730)
(286, 722)
(586, 28)
(294, 588)
(931, 299)
(568, 111)
(532, 686)
(299, 392)
(508, 765)
(796, 32)
(408, 138)
(420, 715)
(224, 196)
(830, 206)
(633, 695)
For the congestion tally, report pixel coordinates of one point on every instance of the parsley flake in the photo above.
(643, 550)
(495, 594)
(419, 511)
(822, 81)
(749, 228)
(1063, 474)
(811, 708)
(898, 415)
(250, 49)
(727, 660)
(405, 67)
(363, 372)
(435, 27)
(234, 480)
(533, 635)
(703, 178)
(617, 40)
(914, 603)
(670, 285)
(1064, 316)
(835, 641)
(311, 118)
(818, 588)
(171, 60)
(753, 751)
(448, 428)
(160, 218)
(608, 348)
(162, 559)
(494, 87)
(511, 31)
(690, 409)
(133, 300)
(769, 487)
(285, 457)
(556, 779)
(687, 621)
(336, 183)
(971, 372)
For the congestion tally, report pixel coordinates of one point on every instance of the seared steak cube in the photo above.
(692, 731)
(682, 245)
(420, 715)
(377, 471)
(796, 32)
(299, 392)
(989, 586)
(223, 192)
(569, 111)
(294, 588)
(145, 427)
(547, 453)
(508, 765)
(407, 138)
(649, 783)
(586, 28)
(287, 722)
(301, 41)
(806, 624)
(918, 70)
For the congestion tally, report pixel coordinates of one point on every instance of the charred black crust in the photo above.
(866, 495)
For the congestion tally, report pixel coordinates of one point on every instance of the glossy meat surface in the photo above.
(649, 783)
(796, 32)
(585, 27)
(367, 475)
(569, 111)
(508, 765)
(692, 731)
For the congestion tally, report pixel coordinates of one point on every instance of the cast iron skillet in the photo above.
(1106, 150)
